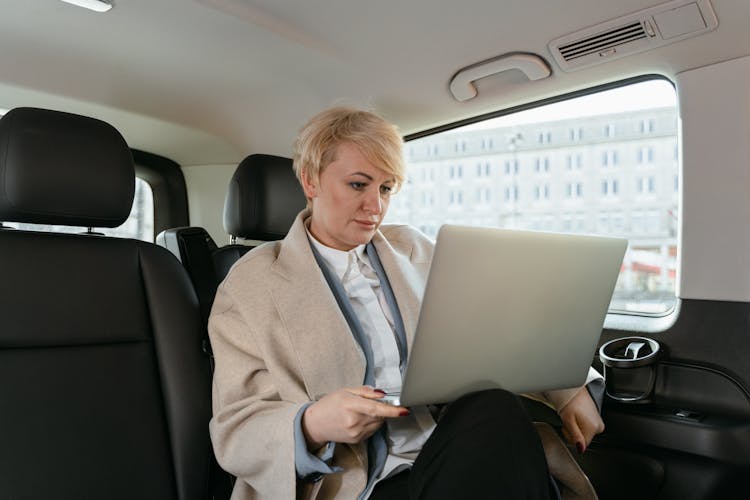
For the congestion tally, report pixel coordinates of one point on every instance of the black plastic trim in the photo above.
(696, 426)
(711, 334)
(169, 189)
(535, 104)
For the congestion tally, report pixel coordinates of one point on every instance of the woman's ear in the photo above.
(308, 185)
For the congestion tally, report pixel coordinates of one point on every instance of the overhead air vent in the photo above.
(644, 30)
(604, 41)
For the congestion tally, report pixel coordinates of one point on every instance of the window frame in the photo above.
(168, 187)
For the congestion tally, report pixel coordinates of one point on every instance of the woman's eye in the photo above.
(386, 189)
(357, 185)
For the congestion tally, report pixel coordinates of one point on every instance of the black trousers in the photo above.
(483, 447)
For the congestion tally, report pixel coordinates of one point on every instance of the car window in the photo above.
(604, 163)
(139, 225)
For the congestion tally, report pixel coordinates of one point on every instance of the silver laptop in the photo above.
(520, 310)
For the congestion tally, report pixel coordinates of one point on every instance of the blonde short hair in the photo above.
(377, 139)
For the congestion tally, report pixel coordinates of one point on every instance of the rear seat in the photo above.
(105, 391)
(263, 198)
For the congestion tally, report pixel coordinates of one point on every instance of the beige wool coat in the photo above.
(280, 341)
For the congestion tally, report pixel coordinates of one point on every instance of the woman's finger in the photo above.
(367, 392)
(573, 434)
(374, 409)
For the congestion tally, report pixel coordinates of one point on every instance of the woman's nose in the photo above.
(372, 203)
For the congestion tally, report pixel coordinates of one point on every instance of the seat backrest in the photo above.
(105, 391)
(262, 200)
(194, 247)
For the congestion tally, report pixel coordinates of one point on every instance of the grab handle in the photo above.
(462, 84)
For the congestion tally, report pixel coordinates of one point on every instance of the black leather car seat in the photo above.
(105, 391)
(262, 200)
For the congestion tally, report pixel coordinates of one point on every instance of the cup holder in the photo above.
(630, 368)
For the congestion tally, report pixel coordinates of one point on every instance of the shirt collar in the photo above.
(338, 260)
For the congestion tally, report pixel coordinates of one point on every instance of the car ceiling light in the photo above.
(95, 5)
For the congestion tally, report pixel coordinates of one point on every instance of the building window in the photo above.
(646, 155)
(541, 165)
(541, 192)
(610, 187)
(646, 185)
(574, 161)
(483, 196)
(455, 197)
(483, 169)
(574, 190)
(455, 171)
(610, 158)
(511, 167)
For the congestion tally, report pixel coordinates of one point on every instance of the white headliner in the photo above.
(209, 81)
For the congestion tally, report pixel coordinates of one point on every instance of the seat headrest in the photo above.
(60, 168)
(263, 198)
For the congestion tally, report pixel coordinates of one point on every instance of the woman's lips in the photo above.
(369, 224)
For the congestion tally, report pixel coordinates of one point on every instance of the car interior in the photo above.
(146, 146)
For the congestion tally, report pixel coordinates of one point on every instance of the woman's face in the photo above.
(349, 200)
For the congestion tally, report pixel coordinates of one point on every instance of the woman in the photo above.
(308, 333)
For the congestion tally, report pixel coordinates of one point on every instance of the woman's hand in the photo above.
(346, 416)
(581, 420)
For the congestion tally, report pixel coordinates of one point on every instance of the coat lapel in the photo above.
(329, 357)
(407, 282)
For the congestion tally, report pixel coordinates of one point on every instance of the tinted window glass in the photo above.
(605, 163)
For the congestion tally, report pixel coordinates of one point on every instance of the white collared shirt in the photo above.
(406, 435)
